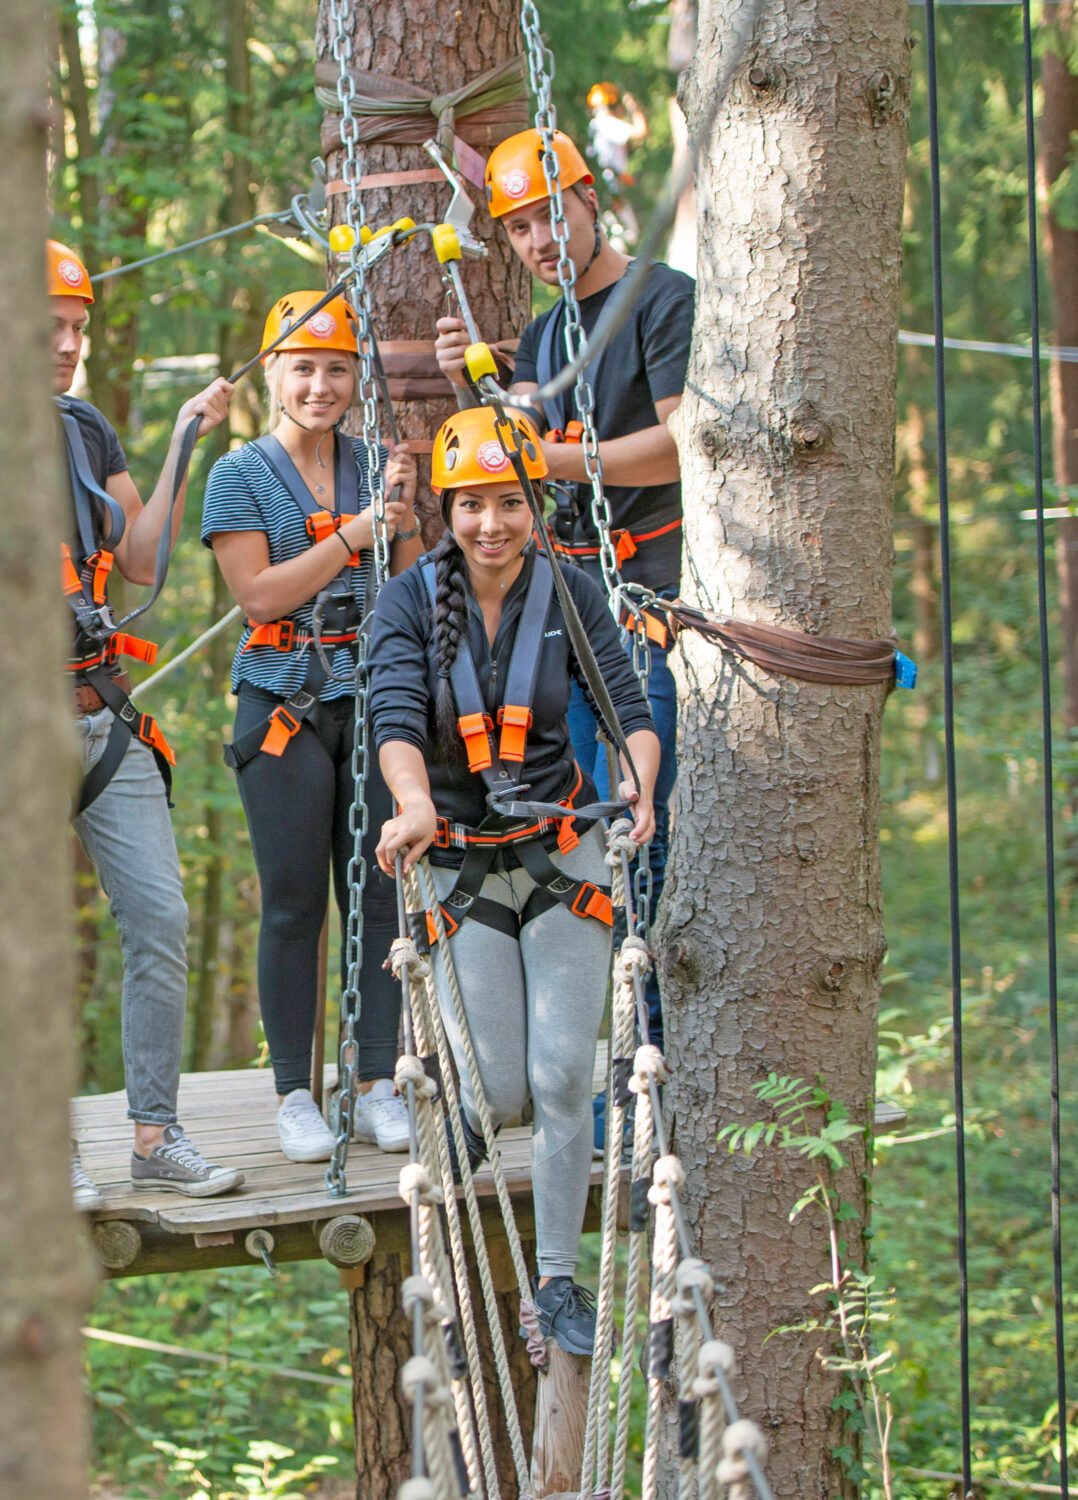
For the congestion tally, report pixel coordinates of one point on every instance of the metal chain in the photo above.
(341, 15)
(541, 72)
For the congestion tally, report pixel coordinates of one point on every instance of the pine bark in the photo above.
(44, 1262)
(440, 48)
(772, 937)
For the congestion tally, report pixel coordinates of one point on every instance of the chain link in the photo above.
(541, 75)
(359, 293)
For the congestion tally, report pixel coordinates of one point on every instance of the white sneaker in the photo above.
(381, 1116)
(304, 1134)
(83, 1190)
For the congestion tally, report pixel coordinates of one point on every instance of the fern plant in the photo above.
(805, 1119)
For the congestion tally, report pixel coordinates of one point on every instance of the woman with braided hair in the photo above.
(471, 665)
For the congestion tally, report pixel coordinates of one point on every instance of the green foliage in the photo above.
(175, 1429)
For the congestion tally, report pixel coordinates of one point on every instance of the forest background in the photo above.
(157, 101)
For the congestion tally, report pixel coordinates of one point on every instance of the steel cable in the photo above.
(947, 643)
(1046, 730)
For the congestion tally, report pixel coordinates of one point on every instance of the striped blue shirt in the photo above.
(243, 494)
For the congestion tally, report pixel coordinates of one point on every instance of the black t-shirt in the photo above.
(103, 449)
(646, 361)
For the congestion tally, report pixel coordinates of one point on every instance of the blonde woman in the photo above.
(288, 517)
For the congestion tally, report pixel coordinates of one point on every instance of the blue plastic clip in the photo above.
(905, 671)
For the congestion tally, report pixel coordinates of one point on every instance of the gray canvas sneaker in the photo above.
(176, 1164)
(84, 1190)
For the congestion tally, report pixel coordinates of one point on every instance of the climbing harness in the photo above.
(336, 612)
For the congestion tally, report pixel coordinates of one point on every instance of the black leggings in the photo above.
(297, 808)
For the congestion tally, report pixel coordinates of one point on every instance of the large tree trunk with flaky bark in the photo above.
(44, 1261)
(1057, 127)
(437, 48)
(772, 936)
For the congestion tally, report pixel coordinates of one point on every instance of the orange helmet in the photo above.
(65, 274)
(515, 176)
(468, 450)
(335, 327)
(603, 93)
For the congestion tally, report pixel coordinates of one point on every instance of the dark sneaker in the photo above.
(83, 1189)
(477, 1147)
(176, 1164)
(566, 1314)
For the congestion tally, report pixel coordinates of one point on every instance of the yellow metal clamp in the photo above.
(446, 242)
(479, 361)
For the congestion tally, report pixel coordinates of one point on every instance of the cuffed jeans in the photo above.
(591, 756)
(127, 832)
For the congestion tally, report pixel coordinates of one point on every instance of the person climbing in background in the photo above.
(122, 811)
(617, 123)
(637, 385)
(288, 517)
(528, 912)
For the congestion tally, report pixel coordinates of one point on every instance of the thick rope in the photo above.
(643, 1135)
(424, 1045)
(433, 1019)
(479, 1095)
(667, 1177)
(594, 1468)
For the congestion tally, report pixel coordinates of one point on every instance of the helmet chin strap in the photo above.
(596, 248)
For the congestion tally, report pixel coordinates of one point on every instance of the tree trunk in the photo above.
(238, 332)
(772, 937)
(44, 1262)
(380, 1342)
(440, 48)
(1058, 123)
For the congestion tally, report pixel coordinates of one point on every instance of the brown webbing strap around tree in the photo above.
(386, 109)
(792, 653)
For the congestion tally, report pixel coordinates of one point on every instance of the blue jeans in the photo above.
(591, 755)
(127, 832)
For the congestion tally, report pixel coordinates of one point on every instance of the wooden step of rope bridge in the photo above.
(232, 1118)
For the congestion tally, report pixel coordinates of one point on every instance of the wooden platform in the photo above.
(231, 1116)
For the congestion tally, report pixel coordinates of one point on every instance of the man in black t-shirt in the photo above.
(124, 823)
(637, 384)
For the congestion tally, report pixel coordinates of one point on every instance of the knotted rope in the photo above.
(386, 109)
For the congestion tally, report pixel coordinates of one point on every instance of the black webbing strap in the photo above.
(278, 461)
(523, 675)
(164, 544)
(126, 724)
(301, 705)
(83, 485)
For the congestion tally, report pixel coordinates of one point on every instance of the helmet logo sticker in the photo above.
(323, 325)
(69, 271)
(491, 458)
(516, 183)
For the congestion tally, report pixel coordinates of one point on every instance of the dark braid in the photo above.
(450, 628)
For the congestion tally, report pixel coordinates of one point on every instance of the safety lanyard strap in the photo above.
(164, 545)
(83, 485)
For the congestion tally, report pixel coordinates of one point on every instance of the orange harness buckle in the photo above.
(283, 728)
(149, 733)
(122, 644)
(515, 722)
(590, 901)
(324, 523)
(280, 634)
(69, 578)
(475, 731)
(451, 925)
(441, 833)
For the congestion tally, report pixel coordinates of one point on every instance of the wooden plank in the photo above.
(560, 1418)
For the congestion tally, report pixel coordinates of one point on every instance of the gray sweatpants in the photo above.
(534, 1005)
